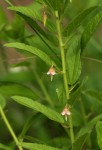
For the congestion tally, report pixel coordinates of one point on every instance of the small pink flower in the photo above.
(51, 72)
(66, 112)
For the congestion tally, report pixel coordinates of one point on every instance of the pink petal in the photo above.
(53, 73)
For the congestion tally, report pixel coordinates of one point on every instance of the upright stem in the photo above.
(61, 45)
(10, 128)
(62, 55)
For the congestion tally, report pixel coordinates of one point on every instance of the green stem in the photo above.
(61, 45)
(71, 129)
(10, 128)
(62, 55)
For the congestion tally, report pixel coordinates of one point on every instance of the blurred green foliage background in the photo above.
(11, 30)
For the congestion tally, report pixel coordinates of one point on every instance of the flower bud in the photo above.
(44, 16)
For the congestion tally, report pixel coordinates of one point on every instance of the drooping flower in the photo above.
(66, 112)
(51, 72)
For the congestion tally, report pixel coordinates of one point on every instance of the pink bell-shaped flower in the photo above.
(66, 112)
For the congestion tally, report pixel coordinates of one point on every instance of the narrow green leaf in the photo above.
(4, 147)
(32, 50)
(46, 38)
(35, 146)
(88, 128)
(90, 28)
(75, 23)
(33, 11)
(10, 89)
(33, 24)
(51, 114)
(73, 62)
(84, 133)
(99, 133)
(35, 40)
(2, 101)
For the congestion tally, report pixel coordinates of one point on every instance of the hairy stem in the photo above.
(64, 71)
(10, 128)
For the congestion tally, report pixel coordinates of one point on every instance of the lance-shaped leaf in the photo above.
(90, 28)
(46, 38)
(99, 133)
(32, 50)
(75, 23)
(88, 128)
(73, 62)
(28, 16)
(84, 133)
(33, 11)
(35, 146)
(50, 113)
